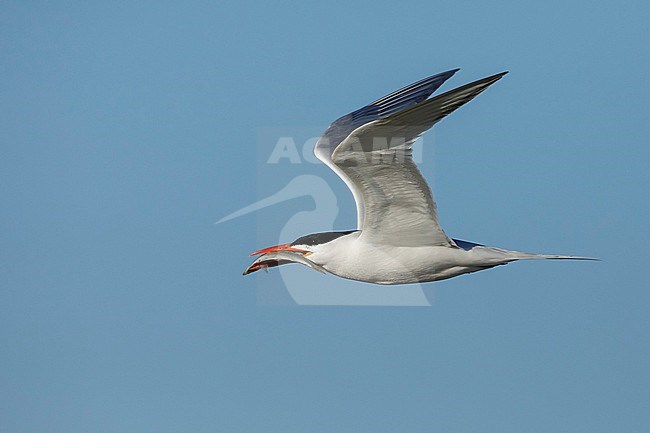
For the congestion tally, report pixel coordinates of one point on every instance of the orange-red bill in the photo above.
(276, 248)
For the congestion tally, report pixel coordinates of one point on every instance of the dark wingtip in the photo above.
(488, 81)
(447, 74)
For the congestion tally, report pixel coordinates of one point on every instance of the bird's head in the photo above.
(297, 251)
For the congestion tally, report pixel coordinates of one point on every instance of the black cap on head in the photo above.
(320, 238)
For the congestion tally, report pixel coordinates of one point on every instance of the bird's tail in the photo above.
(518, 255)
(500, 256)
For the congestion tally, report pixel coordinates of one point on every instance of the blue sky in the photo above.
(127, 130)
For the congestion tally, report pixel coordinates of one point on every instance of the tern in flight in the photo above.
(398, 239)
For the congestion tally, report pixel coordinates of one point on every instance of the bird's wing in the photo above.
(376, 161)
(381, 108)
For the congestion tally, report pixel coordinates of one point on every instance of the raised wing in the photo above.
(376, 161)
(381, 108)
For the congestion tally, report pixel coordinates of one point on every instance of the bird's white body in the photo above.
(399, 239)
(348, 257)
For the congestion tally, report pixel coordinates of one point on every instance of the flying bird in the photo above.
(398, 239)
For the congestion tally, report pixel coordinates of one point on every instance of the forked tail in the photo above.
(520, 256)
(510, 255)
